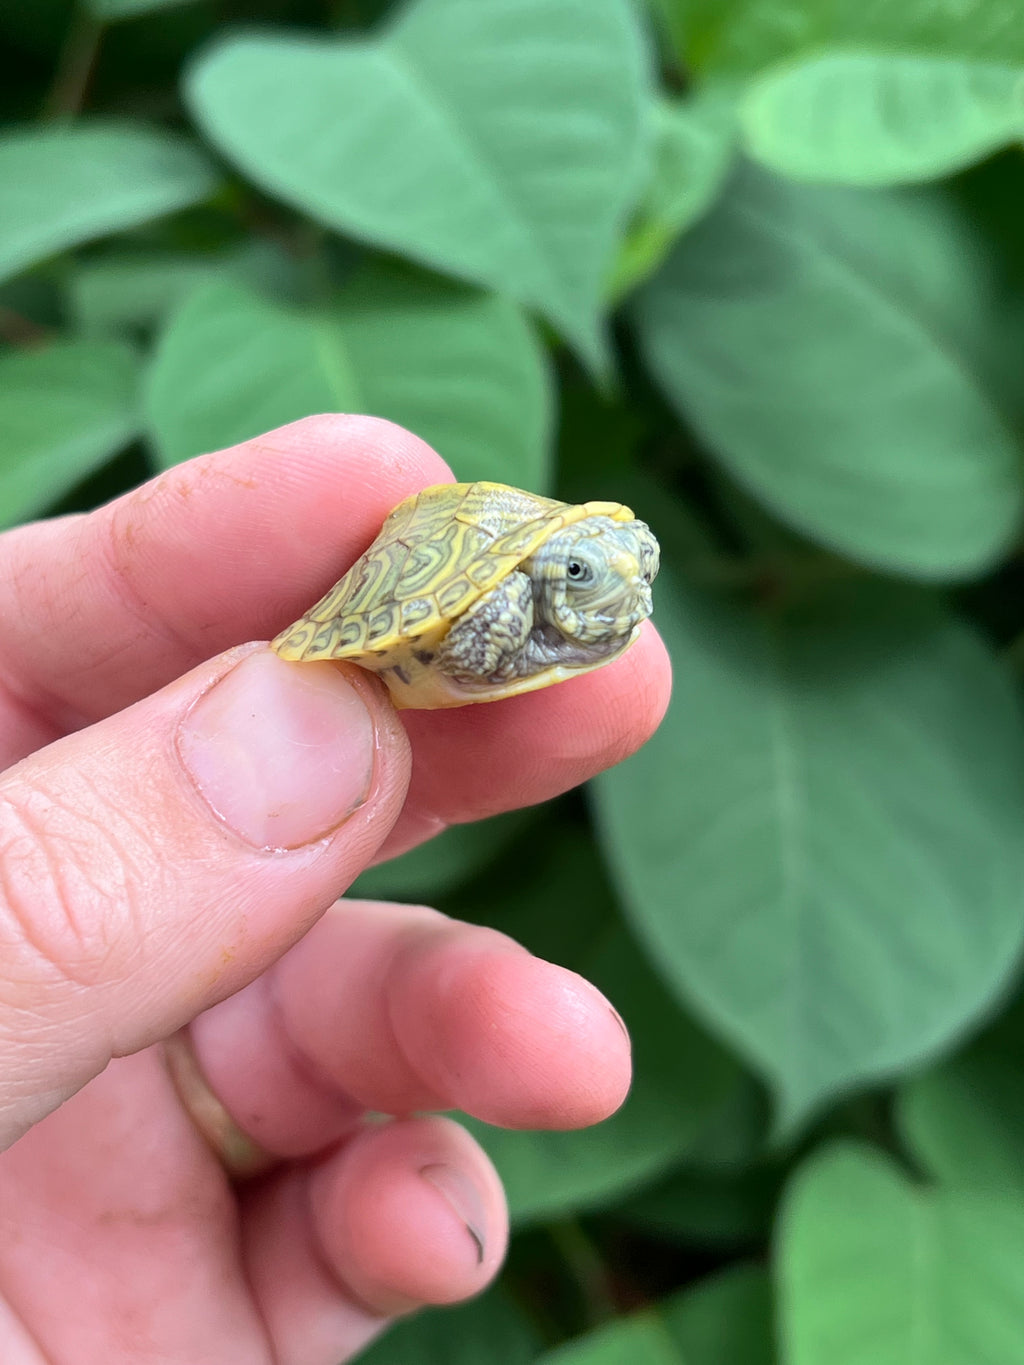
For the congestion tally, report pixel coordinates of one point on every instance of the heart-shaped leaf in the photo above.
(694, 147)
(707, 1208)
(747, 35)
(874, 1270)
(504, 143)
(824, 848)
(123, 292)
(491, 1328)
(641, 1339)
(64, 412)
(435, 868)
(109, 10)
(881, 118)
(825, 343)
(964, 1121)
(461, 369)
(723, 1320)
(61, 186)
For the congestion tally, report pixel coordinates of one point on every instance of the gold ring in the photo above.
(240, 1156)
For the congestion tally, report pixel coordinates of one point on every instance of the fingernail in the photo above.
(463, 1198)
(283, 753)
(619, 1020)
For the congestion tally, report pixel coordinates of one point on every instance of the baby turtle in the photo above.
(475, 591)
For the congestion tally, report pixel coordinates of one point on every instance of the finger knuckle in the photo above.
(67, 889)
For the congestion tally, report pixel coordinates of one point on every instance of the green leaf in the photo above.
(747, 35)
(640, 1339)
(670, 23)
(502, 143)
(725, 1319)
(964, 1122)
(738, 1136)
(696, 141)
(128, 9)
(824, 848)
(867, 118)
(707, 1208)
(62, 186)
(443, 863)
(873, 1270)
(461, 369)
(64, 412)
(825, 343)
(490, 1329)
(134, 291)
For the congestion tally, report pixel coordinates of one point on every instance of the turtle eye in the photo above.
(578, 572)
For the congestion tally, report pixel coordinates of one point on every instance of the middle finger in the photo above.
(397, 1009)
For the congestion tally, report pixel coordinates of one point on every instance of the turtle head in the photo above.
(592, 581)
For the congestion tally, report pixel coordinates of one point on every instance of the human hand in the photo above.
(172, 832)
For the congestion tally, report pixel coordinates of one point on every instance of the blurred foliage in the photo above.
(757, 267)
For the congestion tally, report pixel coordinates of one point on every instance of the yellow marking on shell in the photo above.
(415, 610)
(451, 597)
(382, 622)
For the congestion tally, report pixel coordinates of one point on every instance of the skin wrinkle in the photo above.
(289, 1196)
(118, 844)
(301, 1193)
(242, 1269)
(51, 892)
(403, 943)
(407, 952)
(12, 1320)
(38, 704)
(50, 706)
(20, 1092)
(306, 1067)
(177, 486)
(30, 723)
(120, 581)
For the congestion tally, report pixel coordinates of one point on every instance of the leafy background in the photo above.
(756, 267)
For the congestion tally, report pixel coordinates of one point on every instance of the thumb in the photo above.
(159, 860)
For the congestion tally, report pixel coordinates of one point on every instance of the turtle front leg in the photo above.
(487, 642)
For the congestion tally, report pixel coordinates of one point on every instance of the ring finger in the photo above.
(115, 1198)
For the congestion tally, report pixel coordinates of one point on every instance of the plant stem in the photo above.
(21, 331)
(75, 66)
(1013, 655)
(586, 1267)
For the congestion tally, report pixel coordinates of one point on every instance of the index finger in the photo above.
(103, 609)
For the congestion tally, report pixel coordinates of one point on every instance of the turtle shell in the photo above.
(437, 552)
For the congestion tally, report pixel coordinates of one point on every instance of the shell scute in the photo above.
(521, 539)
(416, 610)
(383, 622)
(483, 573)
(429, 561)
(452, 595)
